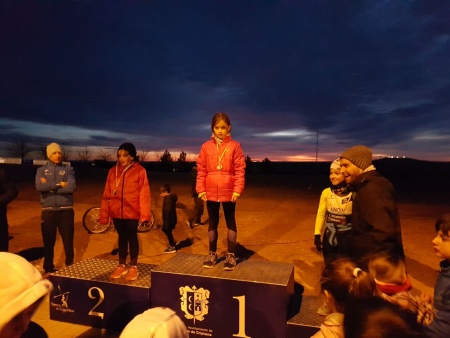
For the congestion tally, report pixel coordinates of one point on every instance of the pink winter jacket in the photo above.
(219, 185)
(132, 197)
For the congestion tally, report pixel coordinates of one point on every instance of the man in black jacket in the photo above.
(376, 225)
(8, 192)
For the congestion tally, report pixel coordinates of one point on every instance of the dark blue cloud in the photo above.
(291, 74)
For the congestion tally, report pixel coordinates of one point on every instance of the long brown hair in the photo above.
(345, 281)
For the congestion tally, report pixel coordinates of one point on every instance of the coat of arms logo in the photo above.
(194, 302)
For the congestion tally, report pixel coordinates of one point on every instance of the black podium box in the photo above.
(306, 322)
(250, 301)
(84, 294)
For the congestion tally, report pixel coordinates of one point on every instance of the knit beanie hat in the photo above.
(20, 286)
(158, 322)
(336, 164)
(130, 148)
(52, 148)
(361, 156)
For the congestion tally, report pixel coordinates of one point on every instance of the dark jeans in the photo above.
(197, 214)
(167, 229)
(127, 231)
(63, 221)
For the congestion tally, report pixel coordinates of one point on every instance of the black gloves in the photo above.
(318, 243)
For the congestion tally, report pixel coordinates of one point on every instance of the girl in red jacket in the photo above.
(126, 199)
(221, 179)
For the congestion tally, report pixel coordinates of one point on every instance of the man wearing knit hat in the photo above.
(56, 183)
(376, 224)
(22, 290)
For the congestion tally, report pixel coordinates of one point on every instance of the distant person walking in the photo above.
(126, 199)
(169, 215)
(195, 218)
(376, 225)
(221, 179)
(56, 183)
(8, 192)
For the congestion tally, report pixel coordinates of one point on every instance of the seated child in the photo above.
(169, 215)
(440, 327)
(341, 282)
(395, 286)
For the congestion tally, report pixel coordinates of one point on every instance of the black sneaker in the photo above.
(170, 249)
(211, 260)
(47, 273)
(230, 262)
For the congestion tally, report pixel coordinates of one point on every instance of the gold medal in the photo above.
(219, 166)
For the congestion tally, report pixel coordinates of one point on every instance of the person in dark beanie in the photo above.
(126, 200)
(376, 225)
(55, 181)
(8, 192)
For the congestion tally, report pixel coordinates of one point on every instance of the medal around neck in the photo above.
(219, 166)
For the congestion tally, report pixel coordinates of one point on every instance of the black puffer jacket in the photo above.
(376, 225)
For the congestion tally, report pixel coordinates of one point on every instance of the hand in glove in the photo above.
(318, 243)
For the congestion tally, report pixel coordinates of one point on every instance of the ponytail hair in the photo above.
(345, 281)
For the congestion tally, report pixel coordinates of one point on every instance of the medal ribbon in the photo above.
(219, 166)
(121, 175)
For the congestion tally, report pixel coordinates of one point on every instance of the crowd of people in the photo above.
(357, 229)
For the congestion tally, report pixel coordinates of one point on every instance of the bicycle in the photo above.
(92, 226)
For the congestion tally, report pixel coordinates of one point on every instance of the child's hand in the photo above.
(235, 197)
(202, 196)
(426, 298)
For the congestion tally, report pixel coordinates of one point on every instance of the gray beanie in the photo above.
(361, 156)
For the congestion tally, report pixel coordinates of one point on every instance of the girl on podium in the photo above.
(221, 179)
(126, 200)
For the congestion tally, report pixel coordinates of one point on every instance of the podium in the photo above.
(254, 300)
(84, 294)
(306, 322)
(250, 301)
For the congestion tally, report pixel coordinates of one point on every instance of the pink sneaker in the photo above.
(121, 269)
(132, 273)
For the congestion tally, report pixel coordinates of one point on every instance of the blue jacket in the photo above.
(53, 196)
(440, 327)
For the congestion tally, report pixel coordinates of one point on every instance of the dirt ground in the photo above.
(275, 218)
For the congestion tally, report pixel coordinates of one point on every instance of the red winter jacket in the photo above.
(126, 196)
(219, 185)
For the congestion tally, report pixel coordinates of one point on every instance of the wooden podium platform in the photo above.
(250, 301)
(84, 294)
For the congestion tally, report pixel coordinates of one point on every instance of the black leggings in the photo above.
(229, 209)
(127, 231)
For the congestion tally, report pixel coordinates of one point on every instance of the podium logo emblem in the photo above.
(60, 301)
(194, 302)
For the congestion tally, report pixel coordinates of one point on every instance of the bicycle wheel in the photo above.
(144, 227)
(90, 221)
